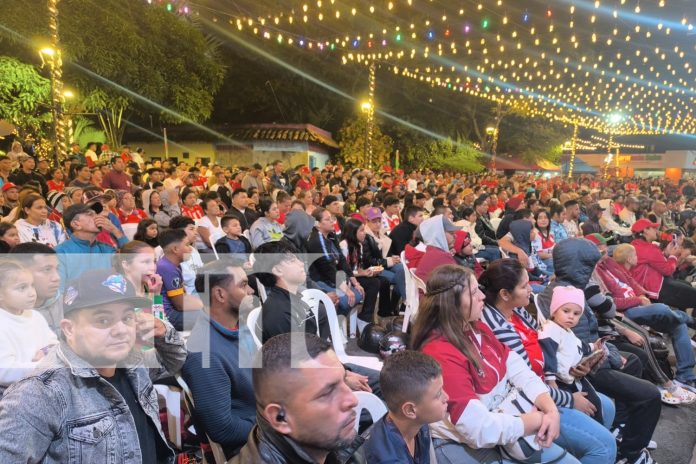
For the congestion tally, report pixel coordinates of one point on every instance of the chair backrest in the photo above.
(247, 234)
(129, 230)
(252, 323)
(371, 403)
(262, 291)
(218, 453)
(412, 296)
(541, 320)
(313, 297)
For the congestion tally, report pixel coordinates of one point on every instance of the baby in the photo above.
(562, 349)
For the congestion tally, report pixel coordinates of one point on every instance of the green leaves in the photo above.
(352, 141)
(25, 96)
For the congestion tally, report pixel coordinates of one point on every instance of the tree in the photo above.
(25, 98)
(135, 60)
(353, 143)
(532, 139)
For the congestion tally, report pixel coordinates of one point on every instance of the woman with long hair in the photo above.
(478, 372)
(136, 262)
(544, 242)
(324, 270)
(266, 228)
(209, 226)
(153, 206)
(355, 249)
(507, 291)
(33, 224)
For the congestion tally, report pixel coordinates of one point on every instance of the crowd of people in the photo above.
(543, 306)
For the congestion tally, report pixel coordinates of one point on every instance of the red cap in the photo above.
(642, 224)
(461, 240)
(7, 186)
(514, 203)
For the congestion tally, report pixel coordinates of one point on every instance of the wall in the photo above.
(195, 150)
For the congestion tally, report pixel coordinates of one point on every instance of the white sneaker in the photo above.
(652, 445)
(644, 458)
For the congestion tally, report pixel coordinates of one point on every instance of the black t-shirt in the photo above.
(148, 436)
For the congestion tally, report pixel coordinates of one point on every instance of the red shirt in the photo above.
(304, 184)
(57, 186)
(530, 341)
(194, 213)
(134, 217)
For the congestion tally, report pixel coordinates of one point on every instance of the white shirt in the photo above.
(170, 183)
(49, 233)
(411, 185)
(22, 336)
(215, 232)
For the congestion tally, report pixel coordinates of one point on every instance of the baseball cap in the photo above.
(595, 207)
(98, 288)
(565, 295)
(514, 203)
(8, 185)
(79, 208)
(642, 224)
(373, 213)
(467, 191)
(597, 239)
(461, 240)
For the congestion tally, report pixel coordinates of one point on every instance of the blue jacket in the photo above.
(75, 256)
(385, 445)
(222, 390)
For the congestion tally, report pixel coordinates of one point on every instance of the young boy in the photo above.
(233, 241)
(562, 349)
(411, 384)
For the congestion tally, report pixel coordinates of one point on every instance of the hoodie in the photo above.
(298, 226)
(607, 221)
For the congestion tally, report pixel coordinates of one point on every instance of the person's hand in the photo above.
(148, 326)
(579, 371)
(633, 338)
(396, 259)
(154, 284)
(582, 404)
(623, 362)
(549, 430)
(38, 355)
(345, 288)
(671, 249)
(334, 297)
(360, 290)
(523, 258)
(103, 223)
(644, 301)
(357, 382)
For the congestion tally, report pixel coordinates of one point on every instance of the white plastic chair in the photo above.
(372, 404)
(218, 453)
(262, 291)
(252, 323)
(541, 320)
(172, 400)
(313, 297)
(129, 230)
(413, 284)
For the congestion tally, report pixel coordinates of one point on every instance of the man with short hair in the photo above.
(26, 174)
(305, 408)
(41, 260)
(174, 297)
(83, 177)
(483, 227)
(279, 179)
(628, 213)
(10, 192)
(117, 179)
(218, 367)
(221, 188)
(402, 234)
(390, 215)
(333, 206)
(82, 251)
(571, 225)
(253, 179)
(240, 209)
(91, 399)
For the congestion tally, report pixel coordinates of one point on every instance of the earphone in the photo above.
(281, 415)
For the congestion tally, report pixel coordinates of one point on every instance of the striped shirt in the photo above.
(506, 334)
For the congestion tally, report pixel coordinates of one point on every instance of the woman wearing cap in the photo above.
(654, 268)
(33, 224)
(478, 372)
(631, 299)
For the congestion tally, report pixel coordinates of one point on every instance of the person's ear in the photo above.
(277, 416)
(409, 410)
(504, 294)
(67, 326)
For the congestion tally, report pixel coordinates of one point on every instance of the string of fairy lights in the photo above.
(573, 61)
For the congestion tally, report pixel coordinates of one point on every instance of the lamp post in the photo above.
(614, 119)
(493, 133)
(366, 107)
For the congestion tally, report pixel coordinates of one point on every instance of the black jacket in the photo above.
(484, 229)
(371, 254)
(266, 446)
(222, 247)
(329, 261)
(246, 219)
(401, 236)
(20, 178)
(282, 313)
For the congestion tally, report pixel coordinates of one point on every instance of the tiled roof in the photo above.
(283, 132)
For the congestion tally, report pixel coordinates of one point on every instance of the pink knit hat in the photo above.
(564, 295)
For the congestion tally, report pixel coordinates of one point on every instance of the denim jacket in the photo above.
(65, 412)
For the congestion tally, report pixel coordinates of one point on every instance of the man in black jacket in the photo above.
(483, 227)
(403, 233)
(26, 174)
(305, 408)
(239, 209)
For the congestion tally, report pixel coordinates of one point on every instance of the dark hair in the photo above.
(171, 236)
(281, 196)
(439, 311)
(350, 234)
(186, 192)
(318, 213)
(271, 254)
(523, 213)
(208, 197)
(27, 202)
(411, 211)
(571, 203)
(181, 222)
(6, 226)
(278, 356)
(215, 274)
(27, 250)
(141, 231)
(226, 220)
(406, 376)
(466, 212)
(390, 200)
(115, 158)
(501, 274)
(362, 201)
(265, 206)
(536, 218)
(237, 191)
(556, 209)
(479, 201)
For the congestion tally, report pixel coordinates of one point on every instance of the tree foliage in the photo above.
(123, 55)
(352, 141)
(25, 96)
(532, 139)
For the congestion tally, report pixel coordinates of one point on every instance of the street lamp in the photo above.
(366, 106)
(614, 119)
(493, 133)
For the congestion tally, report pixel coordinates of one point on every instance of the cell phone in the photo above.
(592, 358)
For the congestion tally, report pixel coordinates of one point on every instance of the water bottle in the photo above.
(158, 308)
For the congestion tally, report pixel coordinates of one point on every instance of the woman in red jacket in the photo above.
(654, 268)
(630, 298)
(478, 371)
